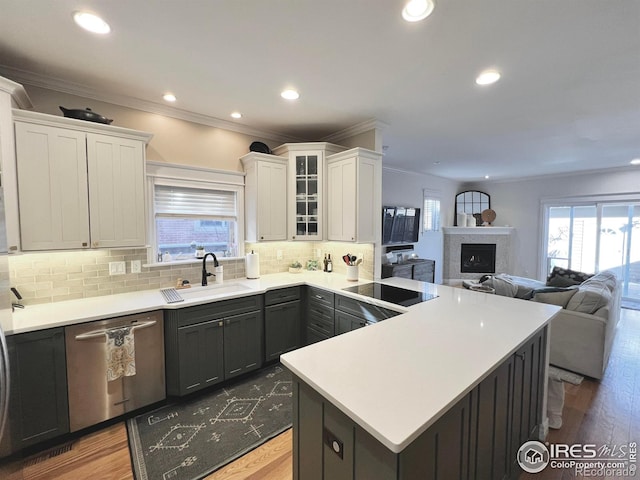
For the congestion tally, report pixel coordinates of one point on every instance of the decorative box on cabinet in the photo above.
(307, 187)
(418, 269)
(265, 195)
(93, 177)
(354, 195)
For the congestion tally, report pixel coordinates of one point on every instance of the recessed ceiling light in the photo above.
(486, 177)
(488, 77)
(416, 10)
(236, 115)
(635, 161)
(169, 97)
(290, 94)
(91, 22)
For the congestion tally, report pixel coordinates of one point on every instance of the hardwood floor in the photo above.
(595, 412)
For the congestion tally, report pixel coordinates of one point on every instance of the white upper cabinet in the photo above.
(354, 196)
(307, 188)
(265, 195)
(116, 191)
(79, 185)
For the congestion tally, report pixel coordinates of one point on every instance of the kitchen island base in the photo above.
(477, 438)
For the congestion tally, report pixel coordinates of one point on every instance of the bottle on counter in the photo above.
(324, 262)
(166, 257)
(329, 264)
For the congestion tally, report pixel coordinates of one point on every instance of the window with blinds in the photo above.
(431, 213)
(187, 218)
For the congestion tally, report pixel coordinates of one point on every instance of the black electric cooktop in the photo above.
(391, 294)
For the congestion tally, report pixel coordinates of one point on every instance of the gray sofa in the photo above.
(582, 333)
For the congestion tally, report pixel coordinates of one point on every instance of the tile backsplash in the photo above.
(56, 276)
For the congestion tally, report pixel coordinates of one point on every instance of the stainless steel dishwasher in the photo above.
(93, 399)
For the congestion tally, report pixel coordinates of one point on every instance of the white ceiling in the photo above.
(569, 98)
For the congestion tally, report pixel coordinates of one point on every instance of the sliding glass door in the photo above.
(591, 237)
(620, 245)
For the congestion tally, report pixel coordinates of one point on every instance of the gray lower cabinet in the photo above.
(319, 315)
(282, 322)
(476, 439)
(207, 344)
(351, 314)
(39, 408)
(242, 343)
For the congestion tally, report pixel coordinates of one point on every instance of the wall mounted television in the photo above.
(400, 225)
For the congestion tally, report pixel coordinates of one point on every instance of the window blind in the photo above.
(431, 214)
(194, 202)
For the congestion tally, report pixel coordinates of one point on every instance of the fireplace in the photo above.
(478, 258)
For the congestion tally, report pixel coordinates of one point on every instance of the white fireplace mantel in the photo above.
(478, 230)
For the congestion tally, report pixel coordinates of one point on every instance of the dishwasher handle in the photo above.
(103, 332)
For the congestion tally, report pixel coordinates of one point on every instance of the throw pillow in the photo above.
(563, 277)
(606, 277)
(590, 298)
(560, 298)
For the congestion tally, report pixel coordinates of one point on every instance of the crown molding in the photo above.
(356, 129)
(64, 86)
(17, 93)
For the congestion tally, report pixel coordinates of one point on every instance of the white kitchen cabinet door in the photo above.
(116, 191)
(52, 187)
(342, 200)
(354, 196)
(265, 197)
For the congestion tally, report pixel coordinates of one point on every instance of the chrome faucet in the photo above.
(206, 274)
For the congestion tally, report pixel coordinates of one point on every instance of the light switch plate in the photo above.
(279, 255)
(117, 268)
(136, 266)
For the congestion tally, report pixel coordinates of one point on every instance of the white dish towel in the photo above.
(121, 353)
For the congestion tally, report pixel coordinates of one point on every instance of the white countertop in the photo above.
(60, 314)
(397, 377)
(394, 378)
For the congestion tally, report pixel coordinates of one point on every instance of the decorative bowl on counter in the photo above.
(85, 114)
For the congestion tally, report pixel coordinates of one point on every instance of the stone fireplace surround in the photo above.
(454, 237)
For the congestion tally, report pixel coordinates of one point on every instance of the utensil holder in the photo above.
(352, 273)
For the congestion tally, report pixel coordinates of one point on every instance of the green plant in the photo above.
(295, 264)
(312, 265)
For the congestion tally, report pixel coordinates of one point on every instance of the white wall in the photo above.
(406, 189)
(518, 204)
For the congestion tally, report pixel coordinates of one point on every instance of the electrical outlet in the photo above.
(117, 268)
(279, 255)
(136, 266)
(319, 253)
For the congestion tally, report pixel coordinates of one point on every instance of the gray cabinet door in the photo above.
(528, 388)
(39, 408)
(242, 343)
(491, 424)
(345, 322)
(201, 355)
(282, 329)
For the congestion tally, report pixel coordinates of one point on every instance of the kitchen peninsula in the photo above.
(449, 390)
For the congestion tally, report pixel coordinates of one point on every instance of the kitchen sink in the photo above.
(213, 290)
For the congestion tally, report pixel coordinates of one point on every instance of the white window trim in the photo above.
(159, 173)
(431, 195)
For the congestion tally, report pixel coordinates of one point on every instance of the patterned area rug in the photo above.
(188, 441)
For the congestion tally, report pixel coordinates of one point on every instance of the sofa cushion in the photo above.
(554, 297)
(590, 297)
(563, 277)
(606, 277)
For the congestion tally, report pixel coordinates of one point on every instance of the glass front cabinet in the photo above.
(307, 187)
